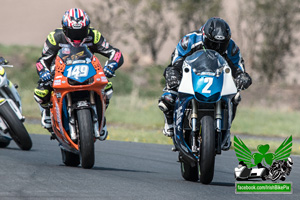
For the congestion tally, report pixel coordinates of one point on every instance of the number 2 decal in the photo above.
(209, 82)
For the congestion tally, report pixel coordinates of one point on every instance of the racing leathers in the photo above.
(57, 40)
(95, 41)
(173, 73)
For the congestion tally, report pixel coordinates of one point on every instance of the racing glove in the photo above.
(109, 69)
(45, 75)
(243, 81)
(173, 78)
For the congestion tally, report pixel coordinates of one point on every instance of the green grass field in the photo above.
(139, 120)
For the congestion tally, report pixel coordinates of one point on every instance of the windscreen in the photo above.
(205, 61)
(69, 54)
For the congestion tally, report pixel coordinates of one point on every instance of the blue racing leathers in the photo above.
(187, 46)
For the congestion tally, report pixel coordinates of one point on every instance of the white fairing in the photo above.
(229, 86)
(15, 108)
(3, 79)
(186, 85)
(5, 83)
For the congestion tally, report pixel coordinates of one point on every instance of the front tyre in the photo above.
(16, 128)
(207, 149)
(86, 138)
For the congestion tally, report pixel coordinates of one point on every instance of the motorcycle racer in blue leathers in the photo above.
(214, 34)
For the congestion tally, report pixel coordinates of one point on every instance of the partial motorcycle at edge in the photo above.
(11, 118)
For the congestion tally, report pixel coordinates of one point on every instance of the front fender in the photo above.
(178, 138)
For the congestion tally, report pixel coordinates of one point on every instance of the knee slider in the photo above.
(166, 102)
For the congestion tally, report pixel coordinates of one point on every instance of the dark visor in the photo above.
(219, 46)
(77, 34)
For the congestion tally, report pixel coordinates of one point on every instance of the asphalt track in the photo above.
(123, 170)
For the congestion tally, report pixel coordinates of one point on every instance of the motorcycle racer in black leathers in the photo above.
(76, 31)
(214, 34)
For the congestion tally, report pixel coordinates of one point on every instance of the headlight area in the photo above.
(87, 82)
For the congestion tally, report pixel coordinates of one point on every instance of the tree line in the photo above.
(267, 28)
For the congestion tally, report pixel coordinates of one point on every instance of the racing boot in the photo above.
(46, 120)
(169, 126)
(108, 90)
(166, 104)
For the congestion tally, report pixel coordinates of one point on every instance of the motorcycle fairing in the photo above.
(178, 138)
(207, 88)
(62, 87)
(186, 85)
(229, 87)
(206, 85)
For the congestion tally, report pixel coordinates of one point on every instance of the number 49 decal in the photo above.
(209, 81)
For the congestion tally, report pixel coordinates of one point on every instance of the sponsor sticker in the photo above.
(103, 78)
(66, 50)
(57, 82)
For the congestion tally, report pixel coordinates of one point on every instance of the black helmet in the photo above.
(216, 34)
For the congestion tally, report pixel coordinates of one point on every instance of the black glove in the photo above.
(243, 81)
(173, 78)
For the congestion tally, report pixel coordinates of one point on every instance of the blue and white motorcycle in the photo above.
(203, 113)
(11, 118)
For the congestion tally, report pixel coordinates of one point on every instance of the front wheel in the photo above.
(16, 128)
(207, 149)
(86, 138)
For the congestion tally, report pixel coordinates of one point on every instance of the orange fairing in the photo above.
(59, 65)
(62, 88)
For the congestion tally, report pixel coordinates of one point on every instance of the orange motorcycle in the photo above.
(77, 104)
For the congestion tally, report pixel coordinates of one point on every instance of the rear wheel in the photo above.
(16, 128)
(188, 172)
(86, 138)
(70, 159)
(207, 149)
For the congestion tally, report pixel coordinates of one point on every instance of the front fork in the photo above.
(218, 112)
(72, 118)
(194, 118)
